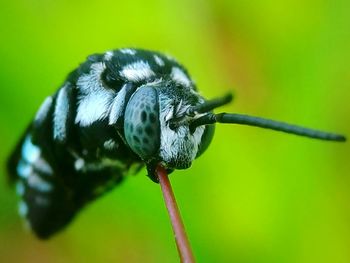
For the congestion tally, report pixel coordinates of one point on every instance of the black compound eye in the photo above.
(141, 123)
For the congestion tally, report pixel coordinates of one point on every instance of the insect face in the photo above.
(157, 127)
(179, 145)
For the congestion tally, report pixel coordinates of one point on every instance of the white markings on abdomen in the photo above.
(24, 169)
(33, 170)
(36, 182)
(43, 111)
(30, 152)
(42, 166)
(20, 189)
(61, 115)
(22, 209)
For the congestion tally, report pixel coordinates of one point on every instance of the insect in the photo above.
(115, 113)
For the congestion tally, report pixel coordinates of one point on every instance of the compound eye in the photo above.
(206, 138)
(141, 123)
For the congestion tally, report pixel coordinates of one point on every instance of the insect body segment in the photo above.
(118, 110)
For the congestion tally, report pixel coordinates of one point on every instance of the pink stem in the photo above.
(182, 243)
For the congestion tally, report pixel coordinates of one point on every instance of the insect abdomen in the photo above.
(55, 174)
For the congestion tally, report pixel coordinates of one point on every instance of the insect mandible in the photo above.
(115, 113)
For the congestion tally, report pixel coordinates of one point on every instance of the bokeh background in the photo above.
(255, 195)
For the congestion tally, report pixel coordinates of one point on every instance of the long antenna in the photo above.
(265, 123)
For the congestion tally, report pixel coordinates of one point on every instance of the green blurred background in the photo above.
(255, 195)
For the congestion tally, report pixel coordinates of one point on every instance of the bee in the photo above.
(114, 114)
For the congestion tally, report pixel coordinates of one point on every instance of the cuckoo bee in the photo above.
(114, 114)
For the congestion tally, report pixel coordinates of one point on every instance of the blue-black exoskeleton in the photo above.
(115, 113)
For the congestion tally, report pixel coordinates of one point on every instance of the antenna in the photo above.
(211, 118)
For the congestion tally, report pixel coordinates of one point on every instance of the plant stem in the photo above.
(182, 243)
